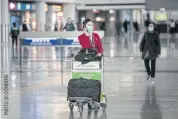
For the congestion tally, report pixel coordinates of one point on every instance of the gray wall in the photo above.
(157, 4)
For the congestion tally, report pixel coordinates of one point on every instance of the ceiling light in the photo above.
(111, 11)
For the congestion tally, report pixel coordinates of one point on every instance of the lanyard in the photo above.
(92, 42)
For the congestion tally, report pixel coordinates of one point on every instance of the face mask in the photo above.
(90, 29)
(151, 29)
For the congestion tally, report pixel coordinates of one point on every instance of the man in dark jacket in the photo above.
(150, 48)
(125, 25)
(14, 34)
(69, 26)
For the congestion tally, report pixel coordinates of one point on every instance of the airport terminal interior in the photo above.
(38, 75)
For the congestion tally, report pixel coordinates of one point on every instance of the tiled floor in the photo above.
(37, 88)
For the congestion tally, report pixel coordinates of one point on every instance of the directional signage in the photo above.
(41, 41)
(50, 41)
(70, 41)
(19, 6)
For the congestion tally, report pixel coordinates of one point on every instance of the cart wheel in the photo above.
(96, 110)
(104, 109)
(71, 109)
(90, 105)
(71, 105)
(104, 96)
(81, 110)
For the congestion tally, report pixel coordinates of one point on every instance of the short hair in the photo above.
(85, 22)
(14, 24)
(152, 23)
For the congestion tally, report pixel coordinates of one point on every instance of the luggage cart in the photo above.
(91, 70)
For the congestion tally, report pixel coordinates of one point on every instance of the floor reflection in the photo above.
(150, 108)
(43, 83)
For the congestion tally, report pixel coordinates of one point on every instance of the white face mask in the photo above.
(151, 29)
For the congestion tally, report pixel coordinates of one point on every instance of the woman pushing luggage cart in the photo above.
(89, 39)
(86, 84)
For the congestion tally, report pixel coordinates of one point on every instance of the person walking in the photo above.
(135, 25)
(172, 30)
(150, 48)
(14, 34)
(172, 27)
(69, 26)
(125, 25)
(25, 27)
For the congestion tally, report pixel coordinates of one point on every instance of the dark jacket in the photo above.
(69, 27)
(24, 27)
(14, 31)
(151, 43)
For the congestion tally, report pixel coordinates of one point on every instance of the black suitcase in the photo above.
(84, 88)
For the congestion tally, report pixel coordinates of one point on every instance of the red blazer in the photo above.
(85, 43)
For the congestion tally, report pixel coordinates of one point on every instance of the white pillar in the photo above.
(5, 34)
(49, 18)
(0, 24)
(49, 12)
(131, 19)
(40, 16)
(69, 10)
(4, 12)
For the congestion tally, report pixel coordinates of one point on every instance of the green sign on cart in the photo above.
(88, 75)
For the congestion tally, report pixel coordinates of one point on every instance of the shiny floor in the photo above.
(39, 80)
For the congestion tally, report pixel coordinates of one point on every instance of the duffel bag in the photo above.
(85, 88)
(87, 55)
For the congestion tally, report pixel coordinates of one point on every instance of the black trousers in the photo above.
(150, 71)
(14, 41)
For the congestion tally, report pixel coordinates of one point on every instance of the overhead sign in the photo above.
(46, 7)
(20, 6)
(161, 16)
(12, 6)
(57, 8)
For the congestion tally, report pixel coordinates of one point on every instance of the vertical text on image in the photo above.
(6, 94)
